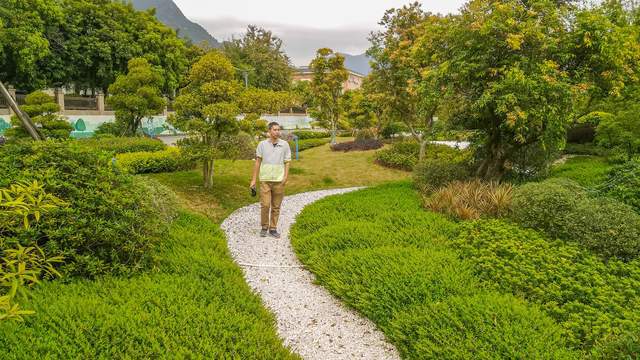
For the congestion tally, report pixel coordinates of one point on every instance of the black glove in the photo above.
(253, 191)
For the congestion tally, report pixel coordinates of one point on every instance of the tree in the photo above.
(259, 53)
(621, 131)
(502, 61)
(206, 109)
(42, 110)
(329, 75)
(395, 73)
(358, 111)
(136, 95)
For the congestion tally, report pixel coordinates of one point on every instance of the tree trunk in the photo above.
(333, 133)
(493, 166)
(423, 147)
(24, 118)
(207, 172)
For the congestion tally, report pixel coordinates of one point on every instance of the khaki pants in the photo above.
(271, 194)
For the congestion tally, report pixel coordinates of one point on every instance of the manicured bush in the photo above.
(196, 305)
(383, 255)
(119, 145)
(588, 171)
(595, 301)
(112, 221)
(358, 145)
(303, 135)
(307, 144)
(623, 183)
(393, 129)
(168, 160)
(430, 174)
(605, 226)
(471, 199)
(402, 155)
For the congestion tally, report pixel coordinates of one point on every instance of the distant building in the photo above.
(354, 81)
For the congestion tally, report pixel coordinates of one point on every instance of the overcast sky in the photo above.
(303, 25)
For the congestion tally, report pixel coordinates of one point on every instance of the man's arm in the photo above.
(256, 169)
(286, 172)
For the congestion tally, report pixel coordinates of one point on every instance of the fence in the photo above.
(80, 103)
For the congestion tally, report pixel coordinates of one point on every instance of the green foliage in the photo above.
(42, 110)
(605, 226)
(85, 43)
(594, 301)
(168, 160)
(260, 54)
(623, 183)
(113, 221)
(401, 155)
(307, 144)
(358, 110)
(308, 134)
(196, 304)
(122, 145)
(621, 131)
(136, 95)
(393, 129)
(329, 74)
(432, 173)
(379, 252)
(588, 171)
(109, 129)
(584, 149)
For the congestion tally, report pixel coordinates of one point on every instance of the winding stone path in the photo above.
(311, 321)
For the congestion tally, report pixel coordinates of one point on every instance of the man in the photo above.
(272, 162)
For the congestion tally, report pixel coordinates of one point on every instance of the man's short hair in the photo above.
(272, 124)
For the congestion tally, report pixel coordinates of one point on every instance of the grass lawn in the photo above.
(195, 305)
(385, 256)
(318, 168)
(587, 171)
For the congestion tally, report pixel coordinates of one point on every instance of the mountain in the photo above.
(169, 14)
(357, 63)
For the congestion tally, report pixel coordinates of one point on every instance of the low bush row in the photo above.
(119, 145)
(358, 145)
(303, 135)
(168, 160)
(307, 144)
(400, 155)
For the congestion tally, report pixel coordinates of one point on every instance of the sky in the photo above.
(303, 25)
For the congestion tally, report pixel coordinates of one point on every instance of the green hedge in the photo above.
(119, 145)
(168, 160)
(303, 135)
(113, 221)
(196, 305)
(401, 155)
(307, 144)
(383, 255)
(605, 226)
(595, 301)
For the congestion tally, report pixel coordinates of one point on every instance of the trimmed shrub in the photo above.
(401, 155)
(471, 199)
(119, 145)
(307, 144)
(595, 301)
(587, 171)
(431, 174)
(358, 145)
(623, 183)
(605, 226)
(168, 160)
(303, 135)
(393, 129)
(113, 221)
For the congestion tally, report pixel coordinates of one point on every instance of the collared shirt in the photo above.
(273, 156)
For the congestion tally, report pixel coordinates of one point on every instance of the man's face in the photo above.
(274, 133)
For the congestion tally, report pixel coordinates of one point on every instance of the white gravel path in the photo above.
(311, 321)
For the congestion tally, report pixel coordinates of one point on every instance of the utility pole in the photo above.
(26, 120)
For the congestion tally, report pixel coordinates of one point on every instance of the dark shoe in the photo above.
(263, 232)
(274, 233)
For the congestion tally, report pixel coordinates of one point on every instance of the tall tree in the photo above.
(260, 54)
(395, 73)
(329, 75)
(136, 95)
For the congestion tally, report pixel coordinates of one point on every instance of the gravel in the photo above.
(310, 321)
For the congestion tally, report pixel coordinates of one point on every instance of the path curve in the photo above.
(310, 320)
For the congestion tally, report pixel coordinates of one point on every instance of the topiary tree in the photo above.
(207, 109)
(43, 112)
(136, 95)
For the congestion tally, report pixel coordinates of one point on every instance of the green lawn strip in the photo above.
(588, 171)
(381, 253)
(196, 305)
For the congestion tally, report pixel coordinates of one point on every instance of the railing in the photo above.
(80, 103)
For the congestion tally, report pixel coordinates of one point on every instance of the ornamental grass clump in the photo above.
(473, 199)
